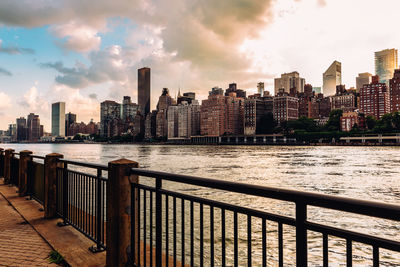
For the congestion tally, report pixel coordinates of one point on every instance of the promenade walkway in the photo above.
(20, 244)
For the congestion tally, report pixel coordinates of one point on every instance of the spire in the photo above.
(179, 92)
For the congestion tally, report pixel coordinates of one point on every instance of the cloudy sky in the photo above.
(84, 52)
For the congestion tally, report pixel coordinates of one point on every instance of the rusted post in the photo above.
(50, 186)
(7, 165)
(24, 158)
(119, 250)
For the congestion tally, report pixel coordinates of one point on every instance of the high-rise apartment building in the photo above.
(260, 89)
(386, 62)
(289, 81)
(33, 123)
(332, 77)
(375, 99)
(70, 118)
(233, 89)
(150, 125)
(345, 100)
(144, 90)
(129, 109)
(22, 130)
(286, 107)
(395, 91)
(164, 102)
(110, 119)
(58, 119)
(363, 78)
(255, 108)
(172, 118)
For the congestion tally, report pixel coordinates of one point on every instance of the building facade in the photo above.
(255, 108)
(363, 78)
(394, 86)
(332, 77)
(386, 62)
(144, 90)
(375, 99)
(110, 119)
(58, 119)
(289, 81)
(286, 107)
(70, 118)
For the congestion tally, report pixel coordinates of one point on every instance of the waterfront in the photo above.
(369, 173)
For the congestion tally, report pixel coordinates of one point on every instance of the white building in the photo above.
(184, 120)
(331, 78)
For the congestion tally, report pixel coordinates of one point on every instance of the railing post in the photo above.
(7, 165)
(50, 181)
(65, 200)
(158, 223)
(118, 212)
(301, 234)
(2, 162)
(24, 158)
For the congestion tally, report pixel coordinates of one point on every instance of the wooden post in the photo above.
(119, 248)
(2, 162)
(50, 187)
(24, 158)
(7, 165)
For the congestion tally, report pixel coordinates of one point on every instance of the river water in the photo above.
(370, 173)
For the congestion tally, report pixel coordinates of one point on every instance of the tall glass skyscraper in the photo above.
(58, 119)
(331, 78)
(385, 63)
(144, 90)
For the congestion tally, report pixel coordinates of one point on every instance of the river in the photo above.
(370, 173)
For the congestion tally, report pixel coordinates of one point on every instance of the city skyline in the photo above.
(84, 59)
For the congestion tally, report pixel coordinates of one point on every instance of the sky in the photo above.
(84, 52)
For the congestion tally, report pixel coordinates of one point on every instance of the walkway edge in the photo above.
(70, 243)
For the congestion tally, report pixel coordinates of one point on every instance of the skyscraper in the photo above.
(375, 99)
(385, 63)
(58, 119)
(33, 123)
(289, 81)
(363, 78)
(70, 118)
(144, 90)
(21, 129)
(260, 88)
(331, 78)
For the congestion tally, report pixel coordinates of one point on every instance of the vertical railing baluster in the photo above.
(249, 241)
(174, 229)
(201, 236)
(144, 227)
(264, 243)
(158, 223)
(325, 250)
(375, 252)
(349, 253)
(183, 232)
(151, 228)
(223, 247)
(280, 243)
(65, 195)
(301, 234)
(191, 234)
(235, 239)
(166, 231)
(138, 218)
(99, 213)
(211, 236)
(133, 224)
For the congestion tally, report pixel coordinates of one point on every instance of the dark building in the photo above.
(70, 118)
(144, 90)
(394, 92)
(324, 106)
(255, 108)
(150, 125)
(110, 119)
(233, 89)
(375, 99)
(188, 97)
(306, 100)
(33, 124)
(22, 130)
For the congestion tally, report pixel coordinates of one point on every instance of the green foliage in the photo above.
(333, 123)
(267, 124)
(303, 123)
(370, 122)
(55, 257)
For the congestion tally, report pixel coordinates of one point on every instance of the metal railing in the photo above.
(166, 225)
(14, 170)
(2, 164)
(81, 200)
(36, 179)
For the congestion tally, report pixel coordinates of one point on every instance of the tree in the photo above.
(333, 123)
(371, 122)
(384, 124)
(267, 124)
(396, 120)
(303, 123)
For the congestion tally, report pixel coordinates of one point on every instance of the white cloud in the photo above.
(5, 101)
(77, 36)
(33, 101)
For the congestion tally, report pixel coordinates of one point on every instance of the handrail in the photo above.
(363, 207)
(37, 157)
(85, 164)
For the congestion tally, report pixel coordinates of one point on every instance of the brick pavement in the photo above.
(20, 245)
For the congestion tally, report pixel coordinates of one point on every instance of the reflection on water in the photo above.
(369, 173)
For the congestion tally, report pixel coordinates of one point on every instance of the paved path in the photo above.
(20, 245)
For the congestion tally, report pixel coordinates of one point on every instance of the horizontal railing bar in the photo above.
(221, 205)
(37, 157)
(354, 236)
(84, 174)
(363, 207)
(85, 164)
